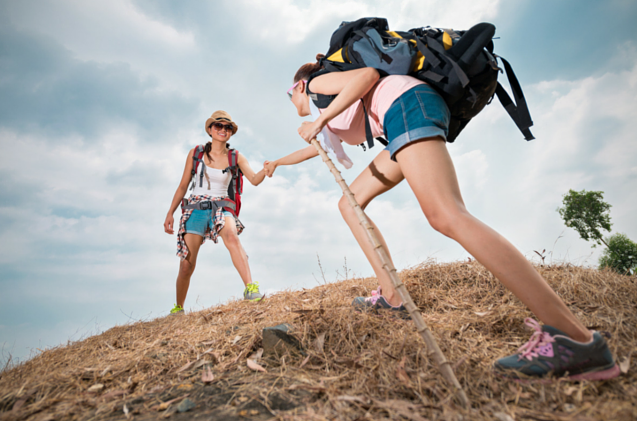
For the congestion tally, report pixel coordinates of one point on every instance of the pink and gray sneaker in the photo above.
(378, 302)
(551, 353)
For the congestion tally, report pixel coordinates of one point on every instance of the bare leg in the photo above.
(238, 255)
(430, 173)
(380, 176)
(187, 266)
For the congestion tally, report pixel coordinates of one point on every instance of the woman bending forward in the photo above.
(414, 119)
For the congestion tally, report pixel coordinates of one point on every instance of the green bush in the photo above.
(620, 255)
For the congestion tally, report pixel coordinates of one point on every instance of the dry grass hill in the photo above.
(208, 365)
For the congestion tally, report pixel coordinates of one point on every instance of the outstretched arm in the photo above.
(291, 159)
(254, 178)
(350, 86)
(179, 194)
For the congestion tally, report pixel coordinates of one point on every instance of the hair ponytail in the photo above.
(208, 147)
(307, 69)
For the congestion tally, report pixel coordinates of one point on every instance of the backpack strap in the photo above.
(238, 174)
(213, 205)
(320, 100)
(233, 167)
(518, 111)
(235, 188)
(435, 62)
(197, 158)
(368, 128)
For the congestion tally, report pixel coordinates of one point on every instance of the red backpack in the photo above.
(235, 188)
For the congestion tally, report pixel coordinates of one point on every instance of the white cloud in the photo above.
(472, 169)
(110, 32)
(295, 22)
(106, 29)
(589, 128)
(291, 22)
(457, 14)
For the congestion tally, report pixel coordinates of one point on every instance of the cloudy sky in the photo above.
(101, 101)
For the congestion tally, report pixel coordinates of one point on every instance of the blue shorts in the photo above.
(418, 113)
(200, 221)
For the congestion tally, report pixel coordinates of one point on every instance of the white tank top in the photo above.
(215, 182)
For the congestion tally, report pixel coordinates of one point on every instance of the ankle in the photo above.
(583, 338)
(393, 299)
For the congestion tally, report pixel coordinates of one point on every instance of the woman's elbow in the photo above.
(372, 74)
(183, 187)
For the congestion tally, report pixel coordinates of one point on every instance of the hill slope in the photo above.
(353, 366)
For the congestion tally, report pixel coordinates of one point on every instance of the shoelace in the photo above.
(539, 339)
(253, 287)
(376, 294)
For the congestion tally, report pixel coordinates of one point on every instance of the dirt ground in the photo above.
(351, 366)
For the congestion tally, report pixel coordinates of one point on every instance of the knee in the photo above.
(186, 267)
(447, 221)
(346, 209)
(231, 240)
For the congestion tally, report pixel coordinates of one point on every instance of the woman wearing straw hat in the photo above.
(414, 119)
(209, 212)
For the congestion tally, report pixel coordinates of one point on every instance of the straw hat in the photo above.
(221, 116)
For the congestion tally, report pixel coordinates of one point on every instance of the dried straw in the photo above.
(356, 366)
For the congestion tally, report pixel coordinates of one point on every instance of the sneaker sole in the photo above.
(254, 300)
(603, 374)
(610, 373)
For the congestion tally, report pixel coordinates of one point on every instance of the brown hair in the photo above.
(307, 69)
(208, 148)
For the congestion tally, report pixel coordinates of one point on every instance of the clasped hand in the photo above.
(269, 167)
(309, 130)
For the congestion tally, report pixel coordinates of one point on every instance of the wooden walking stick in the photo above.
(432, 346)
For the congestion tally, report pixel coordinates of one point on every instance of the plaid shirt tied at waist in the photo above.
(218, 222)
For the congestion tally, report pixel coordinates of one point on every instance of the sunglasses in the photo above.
(292, 88)
(219, 126)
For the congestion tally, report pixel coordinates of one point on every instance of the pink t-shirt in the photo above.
(350, 124)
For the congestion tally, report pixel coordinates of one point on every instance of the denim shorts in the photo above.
(200, 221)
(418, 113)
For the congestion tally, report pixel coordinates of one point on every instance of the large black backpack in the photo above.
(460, 65)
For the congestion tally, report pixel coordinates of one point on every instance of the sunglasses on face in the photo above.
(219, 126)
(290, 91)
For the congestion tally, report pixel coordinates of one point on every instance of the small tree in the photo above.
(620, 254)
(587, 213)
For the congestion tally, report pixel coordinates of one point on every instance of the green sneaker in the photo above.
(177, 310)
(251, 293)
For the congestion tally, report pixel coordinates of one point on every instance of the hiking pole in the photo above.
(421, 326)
